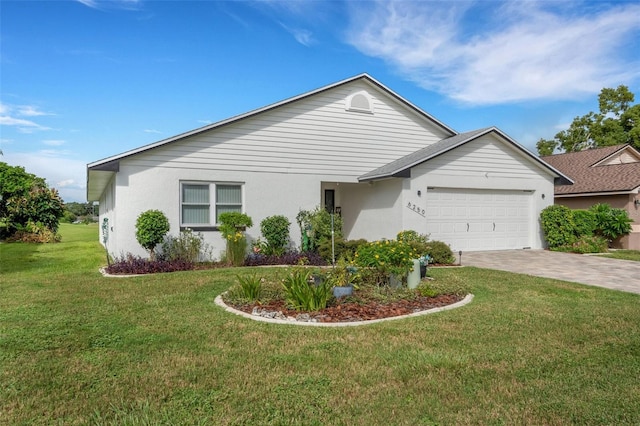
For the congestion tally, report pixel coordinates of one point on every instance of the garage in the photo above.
(479, 219)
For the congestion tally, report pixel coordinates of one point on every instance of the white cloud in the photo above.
(31, 111)
(67, 175)
(302, 36)
(112, 4)
(152, 131)
(515, 52)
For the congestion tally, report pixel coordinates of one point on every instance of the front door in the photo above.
(330, 200)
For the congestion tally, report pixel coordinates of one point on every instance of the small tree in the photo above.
(151, 228)
(27, 204)
(275, 230)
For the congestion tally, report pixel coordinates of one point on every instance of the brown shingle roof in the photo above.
(588, 178)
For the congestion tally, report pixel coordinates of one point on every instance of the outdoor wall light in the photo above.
(543, 196)
(420, 193)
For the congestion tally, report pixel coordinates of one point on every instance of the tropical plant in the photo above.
(249, 287)
(232, 222)
(558, 225)
(303, 295)
(232, 226)
(151, 228)
(611, 223)
(275, 229)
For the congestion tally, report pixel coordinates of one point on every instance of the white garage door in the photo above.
(471, 220)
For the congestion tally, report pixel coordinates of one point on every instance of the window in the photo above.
(360, 102)
(202, 203)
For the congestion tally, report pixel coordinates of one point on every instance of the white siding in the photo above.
(314, 135)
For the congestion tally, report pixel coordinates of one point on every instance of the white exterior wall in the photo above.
(372, 210)
(107, 210)
(485, 163)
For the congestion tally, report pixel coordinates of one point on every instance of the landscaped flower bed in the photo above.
(285, 292)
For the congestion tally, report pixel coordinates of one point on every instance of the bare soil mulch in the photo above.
(351, 311)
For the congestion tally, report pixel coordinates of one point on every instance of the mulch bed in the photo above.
(349, 311)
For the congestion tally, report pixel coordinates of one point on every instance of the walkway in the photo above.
(615, 274)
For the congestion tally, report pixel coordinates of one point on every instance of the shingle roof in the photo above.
(591, 178)
(397, 167)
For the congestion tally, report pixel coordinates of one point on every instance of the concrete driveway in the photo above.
(615, 274)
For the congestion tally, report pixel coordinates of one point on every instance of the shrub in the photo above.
(130, 264)
(343, 248)
(439, 252)
(188, 246)
(315, 227)
(387, 257)
(558, 225)
(151, 228)
(586, 244)
(289, 258)
(275, 230)
(419, 242)
(34, 232)
(302, 295)
(585, 222)
(611, 223)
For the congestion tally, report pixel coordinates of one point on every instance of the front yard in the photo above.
(78, 348)
(624, 255)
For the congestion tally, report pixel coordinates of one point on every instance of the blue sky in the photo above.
(84, 80)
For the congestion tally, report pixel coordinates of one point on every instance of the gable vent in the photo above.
(361, 102)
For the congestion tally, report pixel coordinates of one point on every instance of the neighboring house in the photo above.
(604, 175)
(353, 147)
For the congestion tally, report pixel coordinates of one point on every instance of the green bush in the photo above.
(586, 244)
(275, 230)
(189, 246)
(419, 242)
(558, 225)
(440, 253)
(34, 232)
(302, 295)
(343, 248)
(151, 228)
(315, 228)
(387, 257)
(611, 223)
(585, 222)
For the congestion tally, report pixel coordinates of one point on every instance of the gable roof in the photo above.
(401, 166)
(592, 174)
(100, 164)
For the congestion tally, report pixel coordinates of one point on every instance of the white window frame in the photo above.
(213, 202)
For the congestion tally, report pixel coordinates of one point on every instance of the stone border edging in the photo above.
(105, 274)
(467, 299)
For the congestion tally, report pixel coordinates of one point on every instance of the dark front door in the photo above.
(330, 200)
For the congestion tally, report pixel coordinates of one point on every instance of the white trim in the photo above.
(597, 194)
(626, 147)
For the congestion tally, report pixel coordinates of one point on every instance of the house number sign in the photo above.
(415, 208)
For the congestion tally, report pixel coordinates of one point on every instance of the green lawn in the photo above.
(624, 254)
(77, 348)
